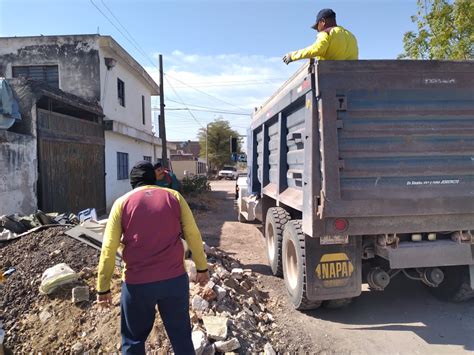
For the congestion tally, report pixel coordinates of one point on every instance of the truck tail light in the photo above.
(340, 224)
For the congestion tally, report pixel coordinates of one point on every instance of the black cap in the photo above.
(324, 13)
(142, 174)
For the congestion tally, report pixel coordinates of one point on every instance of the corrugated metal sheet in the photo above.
(273, 158)
(71, 163)
(396, 143)
(295, 143)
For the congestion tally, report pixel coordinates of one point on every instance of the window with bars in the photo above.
(122, 166)
(46, 73)
(121, 92)
(147, 158)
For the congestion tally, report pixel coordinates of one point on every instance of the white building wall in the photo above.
(136, 150)
(135, 88)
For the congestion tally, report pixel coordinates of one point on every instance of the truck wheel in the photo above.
(336, 304)
(294, 266)
(275, 222)
(456, 286)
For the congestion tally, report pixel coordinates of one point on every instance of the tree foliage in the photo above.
(445, 30)
(219, 132)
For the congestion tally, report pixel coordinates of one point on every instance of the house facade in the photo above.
(98, 69)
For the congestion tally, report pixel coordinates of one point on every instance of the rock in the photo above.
(80, 294)
(209, 350)
(234, 265)
(191, 270)
(207, 293)
(216, 327)
(229, 345)
(268, 349)
(246, 284)
(44, 316)
(77, 348)
(220, 291)
(199, 341)
(199, 304)
(237, 273)
(232, 283)
(222, 272)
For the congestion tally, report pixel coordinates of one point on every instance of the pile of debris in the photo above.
(229, 314)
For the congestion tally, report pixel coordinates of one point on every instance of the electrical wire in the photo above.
(141, 51)
(202, 110)
(203, 92)
(192, 115)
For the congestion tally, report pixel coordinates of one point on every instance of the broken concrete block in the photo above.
(80, 294)
(268, 349)
(228, 345)
(237, 273)
(207, 293)
(199, 341)
(216, 327)
(77, 348)
(220, 291)
(191, 270)
(44, 316)
(199, 304)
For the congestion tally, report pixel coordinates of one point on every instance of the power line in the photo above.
(140, 50)
(192, 115)
(199, 109)
(212, 108)
(203, 92)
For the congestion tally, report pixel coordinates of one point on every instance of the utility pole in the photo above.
(207, 150)
(161, 119)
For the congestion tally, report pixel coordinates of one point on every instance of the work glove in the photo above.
(287, 58)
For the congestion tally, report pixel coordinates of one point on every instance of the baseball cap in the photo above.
(324, 13)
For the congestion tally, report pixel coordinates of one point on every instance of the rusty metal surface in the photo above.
(71, 163)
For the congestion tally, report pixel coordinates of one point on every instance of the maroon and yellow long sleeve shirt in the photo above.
(149, 222)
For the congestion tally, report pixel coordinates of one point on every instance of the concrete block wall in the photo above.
(18, 173)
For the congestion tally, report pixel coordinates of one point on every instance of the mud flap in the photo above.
(333, 271)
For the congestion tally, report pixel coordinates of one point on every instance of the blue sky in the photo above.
(229, 50)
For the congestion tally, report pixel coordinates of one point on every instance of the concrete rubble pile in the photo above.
(50, 266)
(229, 314)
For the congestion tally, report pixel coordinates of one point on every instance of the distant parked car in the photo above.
(228, 172)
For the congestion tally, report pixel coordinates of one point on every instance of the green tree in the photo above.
(218, 139)
(445, 30)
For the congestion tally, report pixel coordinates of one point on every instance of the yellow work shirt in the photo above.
(335, 43)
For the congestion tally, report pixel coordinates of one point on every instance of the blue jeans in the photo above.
(138, 314)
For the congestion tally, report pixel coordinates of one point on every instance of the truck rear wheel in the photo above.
(456, 286)
(275, 222)
(294, 266)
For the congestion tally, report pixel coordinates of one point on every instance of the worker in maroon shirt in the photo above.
(149, 222)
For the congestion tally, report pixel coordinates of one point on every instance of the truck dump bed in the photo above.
(389, 145)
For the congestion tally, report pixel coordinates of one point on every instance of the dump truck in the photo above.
(360, 171)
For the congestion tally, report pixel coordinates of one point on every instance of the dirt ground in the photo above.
(404, 318)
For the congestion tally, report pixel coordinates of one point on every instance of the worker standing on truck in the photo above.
(333, 42)
(149, 222)
(165, 178)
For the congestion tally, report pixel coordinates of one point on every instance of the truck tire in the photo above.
(456, 286)
(275, 222)
(294, 266)
(336, 304)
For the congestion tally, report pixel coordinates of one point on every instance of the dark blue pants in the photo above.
(138, 314)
